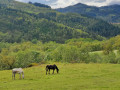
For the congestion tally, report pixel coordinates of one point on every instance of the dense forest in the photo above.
(26, 22)
(30, 34)
(24, 26)
(108, 13)
(116, 24)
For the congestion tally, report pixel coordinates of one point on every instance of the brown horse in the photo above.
(53, 67)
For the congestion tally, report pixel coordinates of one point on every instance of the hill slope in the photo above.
(107, 13)
(29, 22)
(25, 26)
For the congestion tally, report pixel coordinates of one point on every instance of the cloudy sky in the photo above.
(65, 3)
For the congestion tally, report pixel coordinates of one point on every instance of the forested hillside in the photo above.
(108, 13)
(116, 24)
(27, 22)
(26, 26)
(17, 26)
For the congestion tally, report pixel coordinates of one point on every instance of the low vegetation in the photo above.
(27, 54)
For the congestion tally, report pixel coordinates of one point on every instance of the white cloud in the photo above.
(104, 3)
(113, 2)
(65, 3)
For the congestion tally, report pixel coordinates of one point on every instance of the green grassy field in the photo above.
(71, 77)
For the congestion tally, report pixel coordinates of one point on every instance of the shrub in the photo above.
(33, 64)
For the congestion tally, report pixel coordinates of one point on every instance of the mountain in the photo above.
(26, 22)
(108, 13)
(40, 5)
(16, 26)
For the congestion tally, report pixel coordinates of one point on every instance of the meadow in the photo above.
(71, 77)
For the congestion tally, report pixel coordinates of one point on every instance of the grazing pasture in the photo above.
(70, 77)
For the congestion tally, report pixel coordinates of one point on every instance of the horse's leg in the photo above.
(20, 75)
(23, 75)
(46, 71)
(53, 71)
(14, 76)
(49, 71)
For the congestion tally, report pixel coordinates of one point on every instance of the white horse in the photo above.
(19, 71)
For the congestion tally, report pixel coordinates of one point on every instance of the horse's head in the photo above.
(57, 70)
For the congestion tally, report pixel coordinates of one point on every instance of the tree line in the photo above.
(73, 51)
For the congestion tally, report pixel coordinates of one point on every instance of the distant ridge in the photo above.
(39, 5)
(109, 13)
